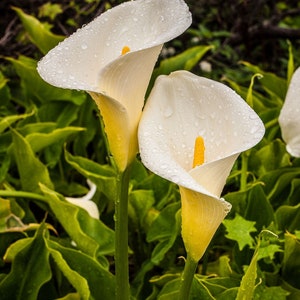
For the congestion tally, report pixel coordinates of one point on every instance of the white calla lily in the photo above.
(181, 108)
(112, 58)
(86, 202)
(289, 118)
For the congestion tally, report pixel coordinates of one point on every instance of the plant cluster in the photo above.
(52, 142)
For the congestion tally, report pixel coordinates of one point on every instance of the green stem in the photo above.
(21, 194)
(121, 239)
(187, 278)
(244, 171)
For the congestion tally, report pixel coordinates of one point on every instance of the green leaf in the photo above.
(71, 296)
(259, 208)
(30, 268)
(294, 192)
(36, 87)
(103, 176)
(90, 235)
(291, 66)
(77, 281)
(5, 94)
(61, 112)
(183, 61)
(38, 33)
(140, 202)
(239, 229)
(101, 283)
(291, 261)
(274, 85)
(5, 122)
(10, 215)
(270, 157)
(277, 185)
(40, 140)
(247, 287)
(198, 291)
(268, 251)
(270, 293)
(249, 97)
(31, 170)
(50, 10)
(288, 218)
(165, 229)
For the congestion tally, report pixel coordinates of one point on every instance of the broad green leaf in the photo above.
(270, 293)
(163, 225)
(38, 33)
(228, 294)
(90, 235)
(77, 281)
(41, 127)
(258, 208)
(247, 287)
(291, 261)
(294, 192)
(101, 282)
(270, 157)
(102, 175)
(30, 268)
(238, 200)
(277, 185)
(268, 251)
(140, 202)
(31, 170)
(239, 229)
(63, 113)
(85, 119)
(288, 218)
(39, 141)
(165, 229)
(36, 87)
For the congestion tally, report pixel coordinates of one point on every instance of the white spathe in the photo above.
(289, 118)
(91, 59)
(86, 202)
(181, 107)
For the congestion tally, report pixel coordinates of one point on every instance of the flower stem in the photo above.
(121, 238)
(187, 278)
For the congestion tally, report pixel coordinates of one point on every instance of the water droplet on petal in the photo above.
(84, 46)
(168, 112)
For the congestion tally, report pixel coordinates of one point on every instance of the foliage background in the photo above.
(50, 249)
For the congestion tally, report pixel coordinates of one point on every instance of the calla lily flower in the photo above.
(289, 118)
(112, 58)
(86, 202)
(191, 132)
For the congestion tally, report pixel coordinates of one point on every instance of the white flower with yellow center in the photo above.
(112, 58)
(191, 132)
